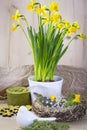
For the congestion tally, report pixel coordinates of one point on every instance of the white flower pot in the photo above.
(45, 88)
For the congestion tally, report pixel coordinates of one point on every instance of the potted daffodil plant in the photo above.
(47, 41)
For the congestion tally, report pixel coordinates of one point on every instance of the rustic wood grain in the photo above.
(75, 79)
(4, 33)
(14, 49)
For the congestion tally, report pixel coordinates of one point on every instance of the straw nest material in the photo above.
(69, 113)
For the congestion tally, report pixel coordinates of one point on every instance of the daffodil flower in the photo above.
(77, 98)
(53, 98)
(71, 30)
(14, 27)
(60, 25)
(41, 10)
(31, 5)
(45, 18)
(82, 36)
(76, 25)
(17, 16)
(66, 23)
(53, 6)
(46, 41)
(55, 17)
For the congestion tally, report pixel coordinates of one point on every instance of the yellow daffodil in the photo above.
(41, 10)
(14, 27)
(53, 98)
(49, 38)
(55, 17)
(66, 22)
(76, 25)
(45, 18)
(60, 25)
(53, 6)
(17, 16)
(31, 5)
(77, 98)
(82, 36)
(71, 30)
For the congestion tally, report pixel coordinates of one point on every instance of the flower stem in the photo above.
(24, 32)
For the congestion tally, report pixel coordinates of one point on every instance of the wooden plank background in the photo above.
(14, 50)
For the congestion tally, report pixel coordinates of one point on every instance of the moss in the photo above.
(47, 125)
(18, 96)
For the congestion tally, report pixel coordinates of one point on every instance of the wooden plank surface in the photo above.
(4, 33)
(14, 49)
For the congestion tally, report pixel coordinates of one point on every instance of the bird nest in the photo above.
(69, 113)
